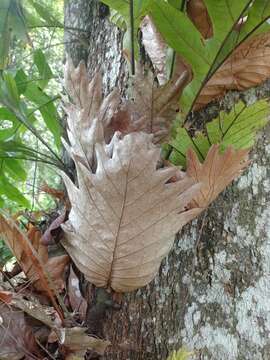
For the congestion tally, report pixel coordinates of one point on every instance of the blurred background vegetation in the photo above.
(31, 56)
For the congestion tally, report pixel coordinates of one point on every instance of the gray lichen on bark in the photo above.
(229, 317)
(212, 291)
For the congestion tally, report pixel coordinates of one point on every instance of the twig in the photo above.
(8, 279)
(44, 349)
(131, 15)
(181, 8)
(34, 182)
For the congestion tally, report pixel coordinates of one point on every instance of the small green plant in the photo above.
(181, 354)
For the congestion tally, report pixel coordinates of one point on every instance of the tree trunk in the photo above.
(212, 292)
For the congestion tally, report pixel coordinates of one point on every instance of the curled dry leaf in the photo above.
(76, 342)
(198, 14)
(76, 300)
(88, 103)
(17, 339)
(155, 107)
(30, 254)
(23, 257)
(58, 194)
(156, 48)
(124, 211)
(52, 233)
(45, 314)
(5, 296)
(55, 266)
(125, 214)
(86, 95)
(216, 173)
(248, 66)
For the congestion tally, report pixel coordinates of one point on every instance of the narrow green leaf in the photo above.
(6, 133)
(6, 114)
(17, 21)
(15, 169)
(4, 32)
(256, 22)
(11, 192)
(46, 108)
(176, 3)
(14, 148)
(10, 89)
(224, 15)
(21, 80)
(122, 7)
(44, 69)
(32, 20)
(12, 23)
(180, 34)
(45, 14)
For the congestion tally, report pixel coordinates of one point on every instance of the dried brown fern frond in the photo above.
(125, 211)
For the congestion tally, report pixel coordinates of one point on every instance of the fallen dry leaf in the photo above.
(16, 337)
(54, 230)
(45, 314)
(76, 342)
(216, 173)
(55, 266)
(31, 259)
(23, 257)
(198, 14)
(76, 300)
(5, 296)
(248, 66)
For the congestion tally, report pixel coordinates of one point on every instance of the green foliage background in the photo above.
(31, 54)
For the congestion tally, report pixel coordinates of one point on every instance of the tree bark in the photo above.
(212, 291)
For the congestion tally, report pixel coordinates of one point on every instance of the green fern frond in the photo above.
(237, 128)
